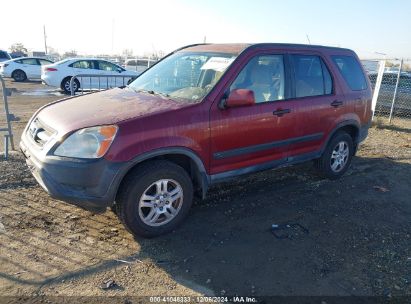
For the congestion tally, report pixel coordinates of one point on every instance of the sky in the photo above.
(146, 26)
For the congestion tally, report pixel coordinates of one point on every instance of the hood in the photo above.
(103, 108)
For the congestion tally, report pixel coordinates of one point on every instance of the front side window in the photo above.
(107, 66)
(82, 64)
(131, 62)
(351, 72)
(312, 77)
(143, 63)
(264, 75)
(185, 76)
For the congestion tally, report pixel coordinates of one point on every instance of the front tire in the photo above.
(154, 198)
(19, 75)
(336, 158)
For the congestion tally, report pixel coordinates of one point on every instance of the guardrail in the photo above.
(103, 82)
(9, 136)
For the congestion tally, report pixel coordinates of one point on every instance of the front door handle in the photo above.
(281, 112)
(336, 103)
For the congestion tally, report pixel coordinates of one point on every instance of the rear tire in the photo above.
(154, 198)
(65, 85)
(336, 158)
(19, 75)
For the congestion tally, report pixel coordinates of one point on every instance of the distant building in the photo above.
(37, 54)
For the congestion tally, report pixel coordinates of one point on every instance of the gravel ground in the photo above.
(354, 237)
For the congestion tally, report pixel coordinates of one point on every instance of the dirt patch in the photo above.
(358, 240)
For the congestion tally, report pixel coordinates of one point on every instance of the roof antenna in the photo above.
(308, 38)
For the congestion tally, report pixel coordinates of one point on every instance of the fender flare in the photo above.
(203, 176)
(350, 122)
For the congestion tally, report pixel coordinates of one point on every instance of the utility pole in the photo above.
(205, 39)
(308, 38)
(45, 38)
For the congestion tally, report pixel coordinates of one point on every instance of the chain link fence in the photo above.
(391, 82)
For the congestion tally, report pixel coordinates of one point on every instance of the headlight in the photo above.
(88, 143)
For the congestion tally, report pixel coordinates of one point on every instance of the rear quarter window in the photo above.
(351, 71)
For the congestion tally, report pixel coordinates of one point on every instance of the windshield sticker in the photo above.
(218, 64)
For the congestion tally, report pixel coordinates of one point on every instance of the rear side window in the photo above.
(312, 77)
(351, 71)
(31, 61)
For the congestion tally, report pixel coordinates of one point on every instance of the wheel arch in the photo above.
(185, 158)
(352, 127)
(17, 69)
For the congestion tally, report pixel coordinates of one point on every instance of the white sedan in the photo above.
(105, 74)
(21, 69)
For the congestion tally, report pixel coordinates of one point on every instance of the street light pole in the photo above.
(45, 38)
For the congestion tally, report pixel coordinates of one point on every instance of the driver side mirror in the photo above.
(240, 98)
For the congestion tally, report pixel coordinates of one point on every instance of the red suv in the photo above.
(202, 115)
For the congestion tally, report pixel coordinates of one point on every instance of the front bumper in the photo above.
(89, 184)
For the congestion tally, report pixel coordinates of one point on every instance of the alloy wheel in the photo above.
(160, 202)
(339, 156)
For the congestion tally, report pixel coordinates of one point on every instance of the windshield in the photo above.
(186, 76)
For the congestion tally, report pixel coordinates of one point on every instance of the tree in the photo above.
(18, 48)
(52, 51)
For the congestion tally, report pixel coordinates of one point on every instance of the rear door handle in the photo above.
(281, 112)
(336, 103)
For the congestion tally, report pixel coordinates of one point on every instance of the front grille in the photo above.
(39, 132)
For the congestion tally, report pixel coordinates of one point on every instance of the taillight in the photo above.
(50, 69)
